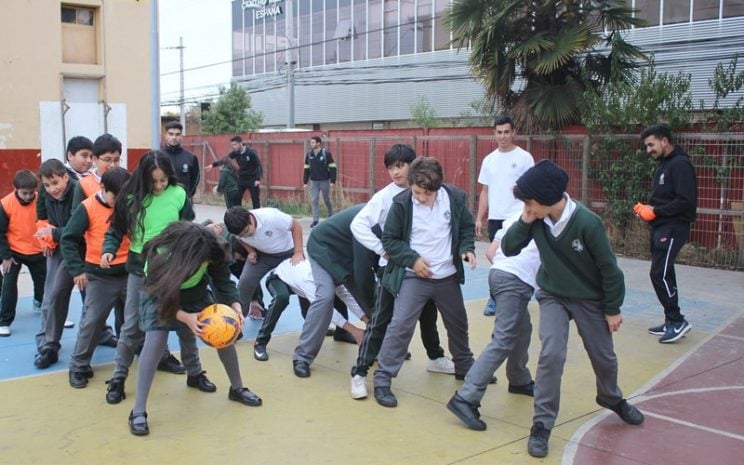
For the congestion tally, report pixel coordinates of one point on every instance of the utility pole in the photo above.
(154, 76)
(290, 64)
(182, 99)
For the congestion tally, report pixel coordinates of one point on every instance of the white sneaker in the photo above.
(4, 331)
(69, 324)
(358, 387)
(441, 365)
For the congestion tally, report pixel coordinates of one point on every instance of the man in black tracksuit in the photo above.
(184, 162)
(249, 170)
(670, 212)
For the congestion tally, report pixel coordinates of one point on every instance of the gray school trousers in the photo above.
(131, 336)
(103, 293)
(318, 315)
(56, 303)
(414, 292)
(555, 314)
(510, 339)
(316, 187)
(252, 274)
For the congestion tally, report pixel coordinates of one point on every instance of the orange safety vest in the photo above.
(98, 224)
(90, 185)
(21, 225)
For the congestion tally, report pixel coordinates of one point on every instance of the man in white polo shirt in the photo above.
(269, 237)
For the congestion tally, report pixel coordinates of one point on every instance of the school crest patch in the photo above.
(577, 245)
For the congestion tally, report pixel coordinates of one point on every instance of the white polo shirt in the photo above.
(273, 231)
(299, 278)
(500, 171)
(431, 234)
(557, 228)
(374, 213)
(523, 265)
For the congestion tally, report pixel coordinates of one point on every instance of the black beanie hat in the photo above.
(545, 183)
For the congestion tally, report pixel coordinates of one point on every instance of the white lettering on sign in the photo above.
(264, 8)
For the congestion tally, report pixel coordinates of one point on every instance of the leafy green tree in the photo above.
(614, 115)
(423, 114)
(536, 58)
(231, 113)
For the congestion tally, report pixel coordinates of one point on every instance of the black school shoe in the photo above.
(200, 382)
(627, 412)
(115, 392)
(244, 396)
(139, 428)
(171, 365)
(78, 380)
(467, 413)
(45, 359)
(524, 389)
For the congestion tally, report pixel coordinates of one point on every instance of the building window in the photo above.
(423, 27)
(733, 8)
(374, 34)
(79, 35)
(360, 29)
(676, 11)
(648, 10)
(441, 31)
(390, 36)
(705, 9)
(407, 27)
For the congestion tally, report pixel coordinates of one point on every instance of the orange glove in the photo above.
(644, 212)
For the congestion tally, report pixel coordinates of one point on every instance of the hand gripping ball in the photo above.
(222, 325)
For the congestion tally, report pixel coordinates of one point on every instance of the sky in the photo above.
(205, 26)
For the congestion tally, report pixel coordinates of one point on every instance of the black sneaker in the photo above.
(259, 352)
(467, 413)
(675, 331)
(45, 359)
(115, 391)
(313, 224)
(524, 389)
(537, 445)
(172, 365)
(658, 330)
(627, 412)
(78, 379)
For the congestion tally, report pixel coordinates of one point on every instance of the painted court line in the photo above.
(738, 437)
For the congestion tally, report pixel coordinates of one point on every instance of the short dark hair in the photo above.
(659, 131)
(25, 179)
(106, 143)
(236, 139)
(426, 173)
(503, 119)
(79, 143)
(317, 139)
(399, 153)
(237, 219)
(51, 168)
(114, 179)
(174, 125)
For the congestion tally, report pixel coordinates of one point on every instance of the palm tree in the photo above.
(535, 58)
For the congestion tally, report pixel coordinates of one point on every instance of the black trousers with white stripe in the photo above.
(666, 242)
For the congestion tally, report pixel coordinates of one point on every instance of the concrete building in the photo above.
(365, 63)
(69, 69)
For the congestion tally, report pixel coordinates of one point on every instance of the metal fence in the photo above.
(608, 173)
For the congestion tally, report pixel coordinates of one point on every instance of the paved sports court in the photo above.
(692, 394)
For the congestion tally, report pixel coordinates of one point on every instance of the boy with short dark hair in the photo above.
(578, 280)
(59, 187)
(106, 288)
(367, 228)
(428, 233)
(78, 160)
(18, 246)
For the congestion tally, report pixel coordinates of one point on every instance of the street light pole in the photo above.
(182, 98)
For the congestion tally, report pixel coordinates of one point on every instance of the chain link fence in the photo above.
(608, 173)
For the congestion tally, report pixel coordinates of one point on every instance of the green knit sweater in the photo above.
(578, 264)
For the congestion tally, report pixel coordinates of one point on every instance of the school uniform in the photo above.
(335, 259)
(58, 286)
(512, 283)
(373, 216)
(273, 243)
(106, 287)
(441, 234)
(170, 205)
(289, 279)
(579, 280)
(17, 229)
